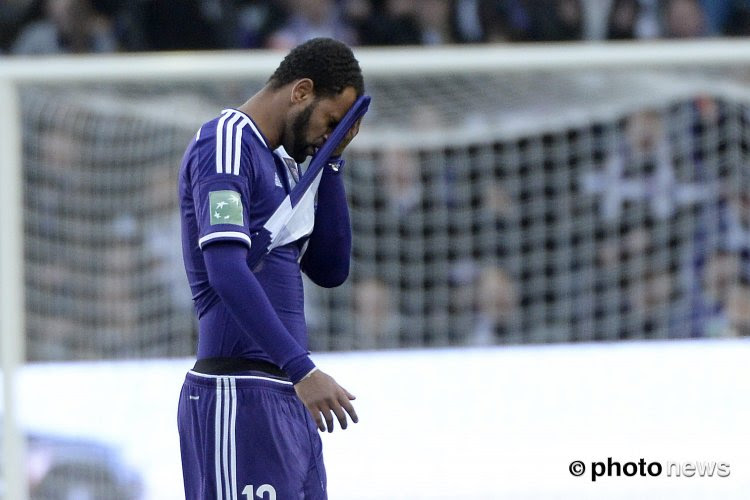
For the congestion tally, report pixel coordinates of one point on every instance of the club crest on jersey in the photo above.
(226, 207)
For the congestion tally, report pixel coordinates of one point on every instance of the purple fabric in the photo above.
(326, 260)
(247, 436)
(247, 303)
(249, 171)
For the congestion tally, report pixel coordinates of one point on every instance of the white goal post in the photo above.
(463, 65)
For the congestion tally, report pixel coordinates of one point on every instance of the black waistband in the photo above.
(226, 366)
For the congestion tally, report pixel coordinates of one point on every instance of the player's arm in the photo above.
(326, 260)
(247, 302)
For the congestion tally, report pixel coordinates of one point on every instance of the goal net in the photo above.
(489, 205)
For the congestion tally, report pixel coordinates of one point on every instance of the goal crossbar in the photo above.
(405, 61)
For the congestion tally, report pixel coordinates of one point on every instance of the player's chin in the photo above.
(305, 153)
(300, 158)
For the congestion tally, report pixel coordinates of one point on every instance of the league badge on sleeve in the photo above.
(226, 207)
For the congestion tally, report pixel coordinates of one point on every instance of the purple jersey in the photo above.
(230, 183)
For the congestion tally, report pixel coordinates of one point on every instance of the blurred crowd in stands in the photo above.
(85, 26)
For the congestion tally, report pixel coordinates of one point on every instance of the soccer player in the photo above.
(249, 408)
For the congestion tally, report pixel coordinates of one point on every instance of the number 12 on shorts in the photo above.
(251, 493)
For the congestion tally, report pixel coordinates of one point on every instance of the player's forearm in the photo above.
(326, 260)
(247, 302)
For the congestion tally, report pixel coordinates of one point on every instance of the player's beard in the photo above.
(300, 146)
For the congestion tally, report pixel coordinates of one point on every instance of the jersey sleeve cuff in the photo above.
(224, 236)
(299, 368)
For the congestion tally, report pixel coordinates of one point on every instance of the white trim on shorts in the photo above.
(225, 442)
(241, 377)
(225, 424)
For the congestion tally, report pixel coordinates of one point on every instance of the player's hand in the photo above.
(348, 138)
(325, 398)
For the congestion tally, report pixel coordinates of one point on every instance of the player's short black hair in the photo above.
(330, 64)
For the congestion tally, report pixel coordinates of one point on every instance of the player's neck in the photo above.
(263, 108)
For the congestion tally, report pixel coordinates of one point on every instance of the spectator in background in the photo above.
(256, 20)
(482, 21)
(721, 257)
(14, 15)
(116, 316)
(68, 26)
(738, 308)
(543, 20)
(641, 170)
(651, 311)
(736, 222)
(727, 17)
(642, 19)
(435, 21)
(619, 250)
(719, 275)
(520, 19)
(494, 21)
(468, 22)
(683, 19)
(560, 20)
(375, 315)
(430, 22)
(402, 185)
(496, 296)
(638, 170)
(737, 22)
(387, 22)
(160, 25)
(622, 20)
(648, 22)
(310, 19)
(462, 308)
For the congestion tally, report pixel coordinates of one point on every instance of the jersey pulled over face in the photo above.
(311, 126)
(229, 185)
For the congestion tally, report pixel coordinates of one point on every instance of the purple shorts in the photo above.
(245, 437)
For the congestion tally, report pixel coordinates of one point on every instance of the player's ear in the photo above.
(302, 90)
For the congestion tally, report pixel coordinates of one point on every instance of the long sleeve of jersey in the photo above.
(247, 302)
(326, 260)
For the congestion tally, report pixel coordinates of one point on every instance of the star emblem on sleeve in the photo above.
(226, 207)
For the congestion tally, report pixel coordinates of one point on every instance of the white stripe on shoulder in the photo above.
(248, 122)
(220, 142)
(229, 143)
(257, 132)
(238, 147)
(224, 234)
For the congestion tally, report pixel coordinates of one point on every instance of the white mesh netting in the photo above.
(486, 208)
